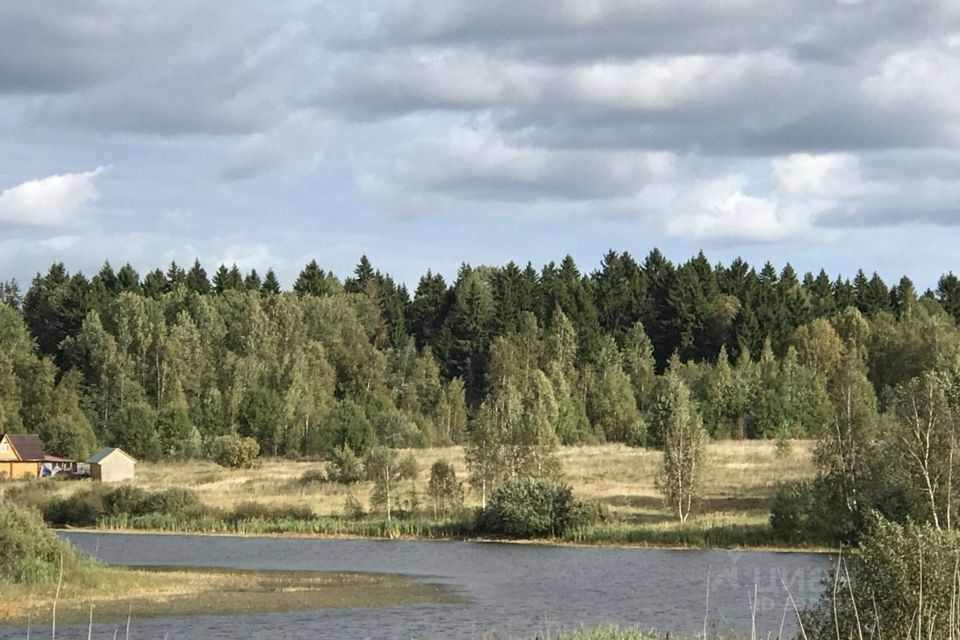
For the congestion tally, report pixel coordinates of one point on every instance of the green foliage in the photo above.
(396, 429)
(134, 429)
(126, 499)
(528, 509)
(352, 509)
(175, 501)
(82, 509)
(29, 551)
(260, 417)
(444, 489)
(178, 437)
(69, 436)
(346, 426)
(902, 582)
(510, 360)
(345, 466)
(611, 404)
(260, 511)
(234, 452)
(386, 469)
(679, 431)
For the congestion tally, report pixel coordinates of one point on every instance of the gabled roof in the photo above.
(105, 453)
(27, 445)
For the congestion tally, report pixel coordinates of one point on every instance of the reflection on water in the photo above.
(515, 590)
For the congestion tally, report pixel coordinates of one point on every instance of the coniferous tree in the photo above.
(315, 281)
(270, 283)
(620, 294)
(128, 280)
(822, 300)
(843, 294)
(639, 365)
(154, 284)
(252, 281)
(903, 297)
(611, 404)
(948, 294)
(175, 277)
(196, 279)
(10, 294)
(428, 310)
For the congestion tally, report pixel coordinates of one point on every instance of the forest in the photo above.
(510, 361)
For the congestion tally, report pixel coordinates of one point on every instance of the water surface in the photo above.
(512, 590)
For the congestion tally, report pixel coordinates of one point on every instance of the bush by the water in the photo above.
(260, 511)
(29, 551)
(234, 452)
(902, 582)
(81, 509)
(529, 508)
(85, 508)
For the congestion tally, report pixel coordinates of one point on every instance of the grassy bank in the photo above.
(631, 633)
(114, 593)
(740, 481)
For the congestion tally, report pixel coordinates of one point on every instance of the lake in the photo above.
(511, 590)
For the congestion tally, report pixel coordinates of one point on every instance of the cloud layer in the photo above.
(725, 122)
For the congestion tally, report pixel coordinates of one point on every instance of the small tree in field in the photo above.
(235, 452)
(680, 429)
(446, 492)
(386, 469)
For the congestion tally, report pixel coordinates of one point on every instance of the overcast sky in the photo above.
(424, 134)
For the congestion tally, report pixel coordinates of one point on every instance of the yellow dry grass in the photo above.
(740, 480)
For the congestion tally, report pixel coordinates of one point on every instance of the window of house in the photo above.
(4, 448)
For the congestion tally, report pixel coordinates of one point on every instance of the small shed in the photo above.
(111, 465)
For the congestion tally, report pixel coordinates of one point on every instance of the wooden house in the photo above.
(112, 465)
(21, 456)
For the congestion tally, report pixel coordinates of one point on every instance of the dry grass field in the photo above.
(740, 481)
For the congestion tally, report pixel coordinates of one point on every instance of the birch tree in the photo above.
(386, 469)
(678, 422)
(923, 443)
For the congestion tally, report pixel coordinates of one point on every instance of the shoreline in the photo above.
(820, 550)
(165, 591)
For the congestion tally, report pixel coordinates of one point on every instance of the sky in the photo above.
(425, 134)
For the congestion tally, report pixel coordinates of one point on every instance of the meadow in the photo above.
(739, 483)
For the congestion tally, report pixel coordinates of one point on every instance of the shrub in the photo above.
(589, 512)
(33, 494)
(235, 452)
(175, 501)
(313, 476)
(260, 511)
(793, 507)
(396, 429)
(126, 499)
(352, 508)
(82, 509)
(904, 584)
(345, 466)
(29, 551)
(528, 509)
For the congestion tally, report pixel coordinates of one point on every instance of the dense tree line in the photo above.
(511, 360)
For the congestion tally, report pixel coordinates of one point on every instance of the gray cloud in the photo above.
(663, 110)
